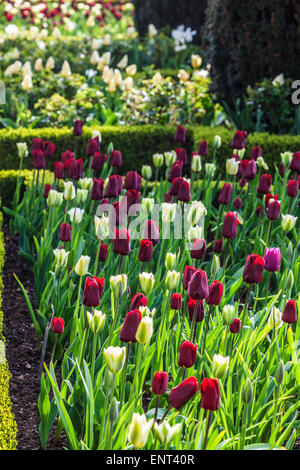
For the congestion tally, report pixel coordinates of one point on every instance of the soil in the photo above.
(22, 351)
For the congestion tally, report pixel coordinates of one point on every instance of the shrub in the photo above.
(171, 13)
(251, 40)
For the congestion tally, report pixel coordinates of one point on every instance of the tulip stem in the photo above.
(97, 259)
(208, 423)
(225, 258)
(137, 367)
(272, 435)
(245, 307)
(124, 375)
(268, 232)
(53, 349)
(206, 328)
(244, 427)
(193, 326)
(156, 408)
(166, 412)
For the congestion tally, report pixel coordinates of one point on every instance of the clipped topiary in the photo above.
(171, 13)
(249, 40)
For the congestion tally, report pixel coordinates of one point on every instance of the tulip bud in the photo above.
(82, 266)
(228, 314)
(215, 292)
(69, 191)
(160, 383)
(145, 330)
(147, 282)
(170, 261)
(139, 430)
(187, 354)
(279, 373)
(210, 169)
(198, 287)
(146, 172)
(170, 158)
(220, 365)
(253, 269)
(158, 160)
(61, 258)
(196, 165)
(172, 279)
(114, 357)
(96, 321)
(210, 394)
(113, 410)
(288, 222)
(58, 325)
(290, 313)
(130, 326)
(65, 232)
(215, 265)
(289, 281)
(247, 392)
(217, 142)
(232, 166)
(118, 284)
(54, 198)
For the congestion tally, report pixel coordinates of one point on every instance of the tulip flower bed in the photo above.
(169, 307)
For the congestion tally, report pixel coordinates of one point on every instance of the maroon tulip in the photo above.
(176, 301)
(237, 203)
(116, 158)
(198, 249)
(93, 146)
(187, 274)
(146, 251)
(98, 161)
(295, 162)
(235, 326)
(77, 128)
(180, 135)
(74, 168)
(65, 232)
(132, 197)
(210, 394)
(49, 149)
(281, 169)
(253, 269)
(215, 293)
(268, 198)
(218, 246)
(37, 144)
(292, 188)
(290, 313)
(152, 232)
(256, 152)
(175, 186)
(230, 225)
(273, 211)
(160, 383)
(264, 185)
(250, 170)
(112, 188)
(92, 292)
(67, 155)
(47, 188)
(175, 171)
(120, 183)
(138, 300)
(203, 148)
(187, 354)
(59, 170)
(198, 305)
(225, 194)
(39, 162)
(122, 242)
(103, 252)
(181, 394)
(184, 192)
(133, 181)
(130, 326)
(239, 140)
(97, 189)
(58, 325)
(198, 287)
(242, 166)
(181, 156)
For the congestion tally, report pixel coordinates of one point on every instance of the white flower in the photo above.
(114, 357)
(152, 31)
(12, 32)
(61, 257)
(22, 149)
(275, 318)
(66, 69)
(139, 430)
(101, 227)
(76, 215)
(232, 166)
(50, 64)
(288, 222)
(168, 212)
(27, 83)
(165, 432)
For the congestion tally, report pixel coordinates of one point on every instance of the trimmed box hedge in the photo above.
(8, 427)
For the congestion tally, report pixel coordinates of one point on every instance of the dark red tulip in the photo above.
(133, 181)
(180, 135)
(175, 171)
(49, 149)
(198, 249)
(67, 155)
(146, 251)
(187, 274)
(176, 301)
(74, 168)
(181, 156)
(152, 231)
(256, 152)
(92, 292)
(225, 194)
(116, 158)
(175, 185)
(47, 188)
(253, 269)
(198, 286)
(199, 314)
(235, 326)
(77, 128)
(218, 246)
(168, 197)
(160, 383)
(239, 140)
(98, 161)
(122, 242)
(210, 394)
(242, 166)
(97, 189)
(203, 148)
(230, 226)
(268, 198)
(39, 162)
(273, 211)
(93, 146)
(65, 232)
(138, 300)
(290, 313)
(181, 394)
(59, 170)
(281, 169)
(264, 185)
(184, 192)
(215, 293)
(37, 144)
(103, 252)
(120, 183)
(295, 162)
(250, 170)
(237, 203)
(187, 354)
(130, 326)
(58, 325)
(112, 188)
(292, 188)
(132, 197)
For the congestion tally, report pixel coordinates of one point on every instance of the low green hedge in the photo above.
(8, 427)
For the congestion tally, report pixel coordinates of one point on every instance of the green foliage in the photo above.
(8, 428)
(251, 40)
(169, 13)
